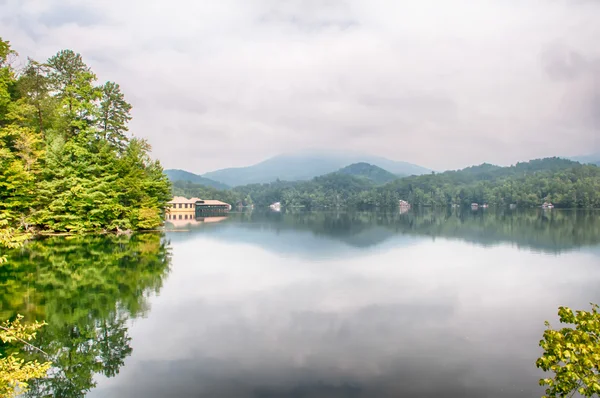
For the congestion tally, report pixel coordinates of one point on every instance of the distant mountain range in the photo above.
(297, 167)
(182, 175)
(593, 159)
(369, 171)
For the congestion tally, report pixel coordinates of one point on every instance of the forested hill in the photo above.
(489, 172)
(566, 183)
(182, 175)
(563, 182)
(67, 160)
(369, 171)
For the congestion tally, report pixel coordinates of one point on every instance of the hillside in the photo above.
(298, 167)
(369, 171)
(564, 182)
(182, 175)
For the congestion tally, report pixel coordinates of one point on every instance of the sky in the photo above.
(443, 84)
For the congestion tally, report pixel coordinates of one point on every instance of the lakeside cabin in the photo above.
(547, 205)
(403, 204)
(180, 208)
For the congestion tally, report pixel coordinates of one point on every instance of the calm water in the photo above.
(307, 305)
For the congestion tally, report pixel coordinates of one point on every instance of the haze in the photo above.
(443, 84)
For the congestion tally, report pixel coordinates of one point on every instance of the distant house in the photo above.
(276, 206)
(474, 206)
(484, 206)
(404, 204)
(547, 205)
(513, 206)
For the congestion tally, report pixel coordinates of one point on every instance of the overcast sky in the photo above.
(443, 84)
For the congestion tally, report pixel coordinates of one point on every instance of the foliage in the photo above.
(67, 162)
(86, 288)
(15, 372)
(572, 354)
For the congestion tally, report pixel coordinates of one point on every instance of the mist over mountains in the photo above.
(593, 158)
(296, 167)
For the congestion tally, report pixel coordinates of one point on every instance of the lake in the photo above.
(320, 304)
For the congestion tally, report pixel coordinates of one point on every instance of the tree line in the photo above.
(67, 160)
(565, 183)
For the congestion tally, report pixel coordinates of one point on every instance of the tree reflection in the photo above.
(86, 288)
(552, 231)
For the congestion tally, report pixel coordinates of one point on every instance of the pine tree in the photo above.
(73, 82)
(114, 115)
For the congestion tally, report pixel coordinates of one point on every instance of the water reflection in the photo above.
(255, 313)
(86, 288)
(546, 231)
(306, 304)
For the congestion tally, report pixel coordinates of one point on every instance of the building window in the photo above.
(180, 216)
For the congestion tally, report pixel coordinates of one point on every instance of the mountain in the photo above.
(369, 171)
(594, 158)
(182, 175)
(294, 167)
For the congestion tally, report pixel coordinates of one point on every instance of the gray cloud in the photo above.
(563, 63)
(62, 14)
(228, 83)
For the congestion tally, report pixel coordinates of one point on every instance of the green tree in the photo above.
(34, 87)
(114, 115)
(572, 354)
(73, 81)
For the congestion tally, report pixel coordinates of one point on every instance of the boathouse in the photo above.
(204, 207)
(180, 208)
